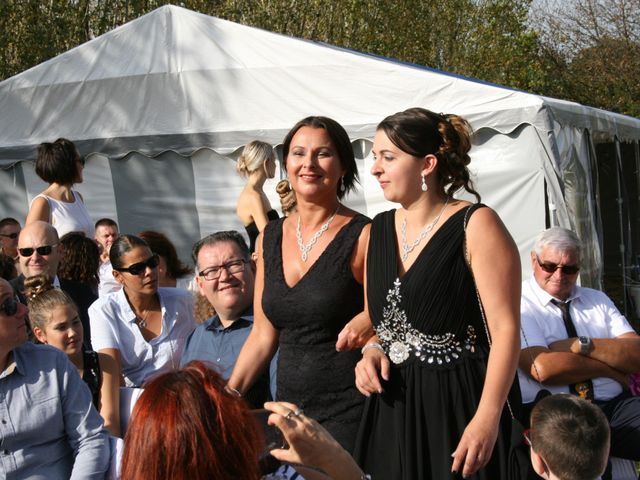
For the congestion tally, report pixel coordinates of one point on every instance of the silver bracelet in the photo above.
(233, 391)
(365, 476)
(375, 345)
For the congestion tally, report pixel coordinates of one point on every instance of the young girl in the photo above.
(54, 319)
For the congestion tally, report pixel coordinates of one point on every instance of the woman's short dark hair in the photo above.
(123, 244)
(160, 244)
(421, 132)
(57, 162)
(341, 142)
(81, 259)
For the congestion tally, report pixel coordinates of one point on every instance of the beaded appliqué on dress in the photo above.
(400, 339)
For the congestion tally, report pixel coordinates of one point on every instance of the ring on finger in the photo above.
(289, 414)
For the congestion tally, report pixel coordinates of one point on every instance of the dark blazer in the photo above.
(82, 295)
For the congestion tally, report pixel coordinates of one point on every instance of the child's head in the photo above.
(53, 315)
(569, 438)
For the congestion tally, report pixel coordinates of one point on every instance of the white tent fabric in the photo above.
(162, 104)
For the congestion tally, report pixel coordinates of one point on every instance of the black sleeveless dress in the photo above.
(253, 232)
(92, 375)
(309, 317)
(430, 326)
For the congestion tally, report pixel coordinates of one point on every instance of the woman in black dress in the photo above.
(309, 283)
(436, 390)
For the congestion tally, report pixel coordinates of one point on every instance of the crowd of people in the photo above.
(402, 347)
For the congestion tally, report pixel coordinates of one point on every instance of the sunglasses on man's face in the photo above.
(10, 306)
(140, 267)
(43, 250)
(12, 236)
(550, 267)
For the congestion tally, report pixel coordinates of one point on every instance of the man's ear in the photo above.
(200, 282)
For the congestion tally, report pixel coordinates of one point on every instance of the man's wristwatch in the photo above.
(585, 345)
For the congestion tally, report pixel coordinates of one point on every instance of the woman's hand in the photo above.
(355, 333)
(309, 443)
(374, 364)
(476, 445)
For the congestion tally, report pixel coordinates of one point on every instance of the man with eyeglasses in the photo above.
(574, 340)
(48, 425)
(226, 277)
(40, 252)
(9, 231)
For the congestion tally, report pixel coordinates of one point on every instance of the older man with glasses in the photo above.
(226, 278)
(40, 252)
(574, 340)
(48, 425)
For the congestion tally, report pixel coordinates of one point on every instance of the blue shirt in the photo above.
(49, 427)
(211, 342)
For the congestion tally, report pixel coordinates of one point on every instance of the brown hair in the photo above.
(185, 426)
(571, 435)
(42, 298)
(160, 244)
(56, 162)
(420, 132)
(81, 259)
(288, 199)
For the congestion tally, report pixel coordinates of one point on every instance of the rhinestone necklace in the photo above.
(407, 249)
(305, 249)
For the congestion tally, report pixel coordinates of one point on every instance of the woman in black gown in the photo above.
(436, 390)
(309, 278)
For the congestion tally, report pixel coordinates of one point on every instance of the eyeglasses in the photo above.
(550, 267)
(10, 306)
(43, 250)
(527, 436)
(12, 236)
(233, 266)
(140, 267)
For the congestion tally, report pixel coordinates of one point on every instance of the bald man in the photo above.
(40, 252)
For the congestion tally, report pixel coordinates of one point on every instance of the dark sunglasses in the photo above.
(43, 250)
(10, 306)
(12, 236)
(140, 267)
(552, 267)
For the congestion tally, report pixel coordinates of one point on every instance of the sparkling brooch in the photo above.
(400, 340)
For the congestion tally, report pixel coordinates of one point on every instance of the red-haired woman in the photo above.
(218, 436)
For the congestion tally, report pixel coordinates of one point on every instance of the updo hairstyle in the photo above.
(253, 157)
(341, 142)
(42, 298)
(56, 162)
(288, 199)
(420, 132)
(123, 244)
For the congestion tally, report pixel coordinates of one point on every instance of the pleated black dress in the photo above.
(309, 316)
(430, 326)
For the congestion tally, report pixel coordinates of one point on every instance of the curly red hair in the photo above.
(185, 426)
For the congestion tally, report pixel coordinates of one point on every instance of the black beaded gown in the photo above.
(309, 316)
(430, 327)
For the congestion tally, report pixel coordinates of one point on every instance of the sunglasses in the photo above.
(140, 267)
(552, 267)
(43, 250)
(12, 236)
(527, 436)
(10, 306)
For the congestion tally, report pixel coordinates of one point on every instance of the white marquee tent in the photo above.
(162, 105)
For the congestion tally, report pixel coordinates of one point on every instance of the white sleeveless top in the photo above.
(69, 217)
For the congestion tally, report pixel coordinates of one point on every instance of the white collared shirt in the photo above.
(593, 314)
(113, 325)
(107, 284)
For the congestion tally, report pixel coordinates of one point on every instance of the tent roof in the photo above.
(178, 80)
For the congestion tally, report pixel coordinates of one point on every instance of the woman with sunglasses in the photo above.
(54, 320)
(436, 383)
(61, 166)
(143, 328)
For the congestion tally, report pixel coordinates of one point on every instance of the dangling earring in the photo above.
(424, 184)
(342, 188)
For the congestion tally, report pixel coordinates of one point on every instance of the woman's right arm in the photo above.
(262, 342)
(39, 211)
(109, 359)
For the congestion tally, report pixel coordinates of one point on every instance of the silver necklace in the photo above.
(305, 249)
(407, 249)
(142, 322)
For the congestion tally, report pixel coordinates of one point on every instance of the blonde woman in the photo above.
(257, 163)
